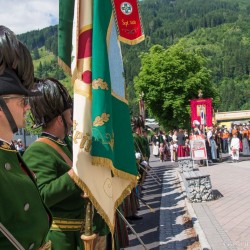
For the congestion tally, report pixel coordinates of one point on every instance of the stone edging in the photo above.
(201, 235)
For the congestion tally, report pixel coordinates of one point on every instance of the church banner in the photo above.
(128, 22)
(202, 111)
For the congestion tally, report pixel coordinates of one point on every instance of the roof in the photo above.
(152, 125)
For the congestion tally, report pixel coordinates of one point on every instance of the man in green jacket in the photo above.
(146, 145)
(50, 157)
(24, 218)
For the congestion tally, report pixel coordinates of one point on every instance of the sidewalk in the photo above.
(226, 220)
(223, 223)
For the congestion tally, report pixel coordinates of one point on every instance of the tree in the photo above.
(39, 70)
(170, 78)
(36, 54)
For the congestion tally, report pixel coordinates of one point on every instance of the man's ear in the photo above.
(59, 119)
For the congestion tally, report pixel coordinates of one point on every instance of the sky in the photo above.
(26, 15)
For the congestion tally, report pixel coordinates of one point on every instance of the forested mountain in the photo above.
(219, 29)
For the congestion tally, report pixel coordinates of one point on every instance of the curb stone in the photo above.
(200, 233)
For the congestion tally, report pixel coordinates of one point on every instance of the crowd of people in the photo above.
(218, 139)
(47, 203)
(172, 145)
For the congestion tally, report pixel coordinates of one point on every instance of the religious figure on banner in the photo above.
(201, 112)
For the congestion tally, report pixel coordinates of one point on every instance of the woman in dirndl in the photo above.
(181, 143)
(156, 142)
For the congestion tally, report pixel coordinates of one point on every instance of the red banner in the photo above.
(202, 111)
(128, 21)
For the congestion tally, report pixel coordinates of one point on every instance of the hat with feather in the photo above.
(16, 71)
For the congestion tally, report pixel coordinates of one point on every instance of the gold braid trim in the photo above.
(97, 206)
(122, 99)
(84, 187)
(6, 149)
(63, 224)
(105, 162)
(131, 42)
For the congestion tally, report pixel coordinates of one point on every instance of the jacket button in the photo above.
(32, 246)
(26, 207)
(7, 166)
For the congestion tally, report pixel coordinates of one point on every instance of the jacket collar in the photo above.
(53, 138)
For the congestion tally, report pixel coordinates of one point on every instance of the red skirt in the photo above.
(181, 151)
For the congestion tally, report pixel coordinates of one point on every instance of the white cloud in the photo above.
(26, 15)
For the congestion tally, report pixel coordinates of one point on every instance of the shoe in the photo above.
(135, 217)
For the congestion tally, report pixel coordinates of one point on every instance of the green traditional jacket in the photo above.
(146, 146)
(22, 211)
(138, 144)
(58, 190)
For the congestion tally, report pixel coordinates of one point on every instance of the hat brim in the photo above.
(11, 84)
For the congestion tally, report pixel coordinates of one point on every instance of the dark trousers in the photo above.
(225, 145)
(209, 154)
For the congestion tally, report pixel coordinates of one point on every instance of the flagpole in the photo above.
(132, 229)
(143, 158)
(145, 170)
(150, 168)
(144, 202)
(88, 237)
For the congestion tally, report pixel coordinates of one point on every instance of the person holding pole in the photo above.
(50, 157)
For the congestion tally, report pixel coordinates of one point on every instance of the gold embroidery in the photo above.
(78, 135)
(107, 187)
(99, 137)
(99, 120)
(86, 142)
(111, 141)
(75, 123)
(99, 83)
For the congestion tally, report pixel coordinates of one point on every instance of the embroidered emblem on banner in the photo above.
(128, 21)
(126, 8)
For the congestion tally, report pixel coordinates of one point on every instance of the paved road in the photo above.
(223, 223)
(167, 227)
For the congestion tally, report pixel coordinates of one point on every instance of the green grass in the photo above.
(45, 57)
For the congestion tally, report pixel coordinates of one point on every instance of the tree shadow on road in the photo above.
(163, 228)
